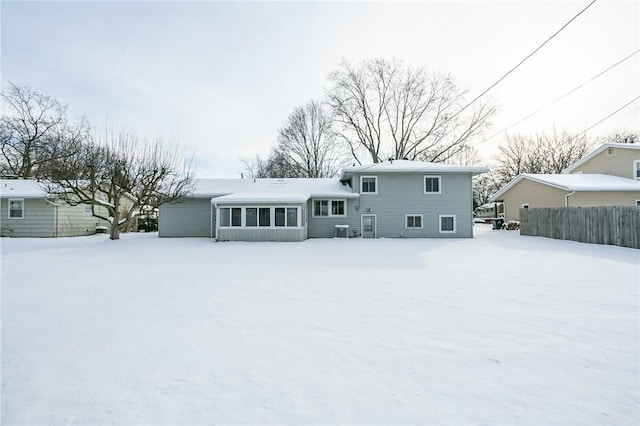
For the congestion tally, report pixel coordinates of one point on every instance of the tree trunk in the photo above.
(114, 232)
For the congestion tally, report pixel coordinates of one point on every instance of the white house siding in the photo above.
(403, 193)
(38, 221)
(71, 222)
(189, 218)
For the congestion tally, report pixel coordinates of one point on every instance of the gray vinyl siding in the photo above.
(403, 193)
(325, 227)
(38, 221)
(244, 234)
(42, 219)
(189, 218)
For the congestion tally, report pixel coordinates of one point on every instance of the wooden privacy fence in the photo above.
(613, 225)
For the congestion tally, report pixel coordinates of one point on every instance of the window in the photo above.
(265, 216)
(320, 208)
(280, 216)
(368, 184)
(329, 208)
(292, 216)
(636, 169)
(88, 214)
(638, 203)
(525, 206)
(236, 216)
(337, 208)
(251, 217)
(413, 221)
(225, 216)
(16, 209)
(447, 223)
(432, 185)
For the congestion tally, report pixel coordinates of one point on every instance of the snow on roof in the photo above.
(243, 198)
(597, 151)
(21, 188)
(576, 182)
(271, 189)
(404, 166)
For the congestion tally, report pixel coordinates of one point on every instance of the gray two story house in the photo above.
(393, 199)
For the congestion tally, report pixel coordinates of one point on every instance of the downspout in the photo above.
(566, 198)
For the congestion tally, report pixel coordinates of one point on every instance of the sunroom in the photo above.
(261, 217)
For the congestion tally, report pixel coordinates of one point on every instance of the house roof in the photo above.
(21, 188)
(270, 190)
(576, 182)
(407, 166)
(597, 151)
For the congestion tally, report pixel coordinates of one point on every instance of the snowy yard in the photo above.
(500, 329)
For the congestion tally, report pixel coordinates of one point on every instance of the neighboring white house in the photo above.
(26, 210)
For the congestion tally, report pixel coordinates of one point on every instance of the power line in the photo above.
(613, 113)
(522, 61)
(559, 99)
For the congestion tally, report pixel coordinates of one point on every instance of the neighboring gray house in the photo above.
(393, 199)
(27, 211)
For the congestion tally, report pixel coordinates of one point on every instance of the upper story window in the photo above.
(16, 209)
(368, 184)
(329, 208)
(636, 169)
(432, 185)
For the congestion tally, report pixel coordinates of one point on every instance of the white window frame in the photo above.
(375, 178)
(407, 216)
(637, 203)
(272, 217)
(636, 168)
(424, 184)
(87, 214)
(524, 206)
(329, 207)
(440, 223)
(21, 200)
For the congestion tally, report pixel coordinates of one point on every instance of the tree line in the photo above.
(379, 109)
(78, 165)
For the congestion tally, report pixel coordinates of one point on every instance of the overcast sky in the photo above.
(222, 77)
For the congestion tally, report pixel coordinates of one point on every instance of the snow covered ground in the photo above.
(500, 329)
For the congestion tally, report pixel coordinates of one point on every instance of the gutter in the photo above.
(566, 198)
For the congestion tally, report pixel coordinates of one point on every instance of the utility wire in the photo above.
(521, 62)
(613, 113)
(558, 99)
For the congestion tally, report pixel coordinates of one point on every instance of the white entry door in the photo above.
(368, 225)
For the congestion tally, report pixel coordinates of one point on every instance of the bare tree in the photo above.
(622, 136)
(34, 131)
(386, 108)
(255, 167)
(120, 176)
(308, 144)
(539, 153)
